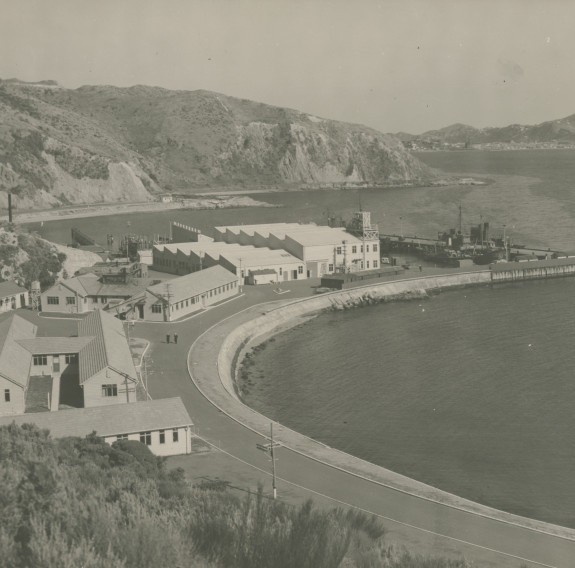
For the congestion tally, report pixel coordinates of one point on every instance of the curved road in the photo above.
(419, 524)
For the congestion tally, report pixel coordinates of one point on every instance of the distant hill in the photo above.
(103, 144)
(560, 132)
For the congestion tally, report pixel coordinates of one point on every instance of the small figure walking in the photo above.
(175, 338)
(168, 338)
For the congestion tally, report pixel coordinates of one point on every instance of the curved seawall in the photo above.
(228, 339)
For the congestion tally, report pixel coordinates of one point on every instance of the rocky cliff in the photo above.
(104, 144)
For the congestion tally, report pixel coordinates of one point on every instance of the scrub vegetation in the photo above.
(80, 502)
(25, 257)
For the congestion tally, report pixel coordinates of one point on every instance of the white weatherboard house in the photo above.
(177, 298)
(41, 373)
(164, 425)
(86, 293)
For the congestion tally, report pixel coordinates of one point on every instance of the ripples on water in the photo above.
(471, 391)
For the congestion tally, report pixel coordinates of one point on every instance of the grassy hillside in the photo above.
(102, 144)
(79, 502)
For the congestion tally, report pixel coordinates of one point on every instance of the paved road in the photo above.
(421, 525)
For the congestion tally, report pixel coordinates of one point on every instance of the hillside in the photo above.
(78, 502)
(554, 133)
(25, 257)
(106, 144)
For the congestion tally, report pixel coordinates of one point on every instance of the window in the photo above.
(122, 437)
(70, 300)
(338, 250)
(53, 300)
(110, 390)
(187, 303)
(146, 438)
(375, 263)
(361, 248)
(40, 360)
(103, 299)
(156, 308)
(71, 358)
(162, 437)
(374, 248)
(366, 248)
(281, 270)
(354, 249)
(175, 435)
(6, 395)
(330, 268)
(367, 263)
(300, 269)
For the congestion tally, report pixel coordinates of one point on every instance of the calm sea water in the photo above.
(532, 194)
(471, 391)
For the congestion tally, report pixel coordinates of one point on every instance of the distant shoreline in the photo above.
(104, 209)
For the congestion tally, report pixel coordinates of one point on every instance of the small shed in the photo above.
(363, 278)
(262, 276)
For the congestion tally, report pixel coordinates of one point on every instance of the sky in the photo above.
(393, 65)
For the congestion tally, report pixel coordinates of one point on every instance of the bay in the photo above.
(472, 395)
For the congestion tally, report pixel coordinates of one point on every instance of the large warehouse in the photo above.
(256, 265)
(324, 250)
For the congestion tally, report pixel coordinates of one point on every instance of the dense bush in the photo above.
(44, 262)
(80, 502)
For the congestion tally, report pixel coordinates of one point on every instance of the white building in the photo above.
(41, 373)
(12, 296)
(180, 297)
(164, 425)
(185, 258)
(323, 250)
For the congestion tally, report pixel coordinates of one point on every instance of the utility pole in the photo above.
(168, 298)
(273, 460)
(269, 449)
(241, 276)
(129, 324)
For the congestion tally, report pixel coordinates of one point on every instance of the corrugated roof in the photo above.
(194, 284)
(186, 248)
(15, 359)
(54, 345)
(10, 288)
(323, 236)
(263, 228)
(111, 420)
(90, 285)
(108, 347)
(260, 256)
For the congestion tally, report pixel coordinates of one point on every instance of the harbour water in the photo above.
(471, 391)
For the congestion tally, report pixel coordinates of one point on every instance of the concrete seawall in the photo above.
(276, 318)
